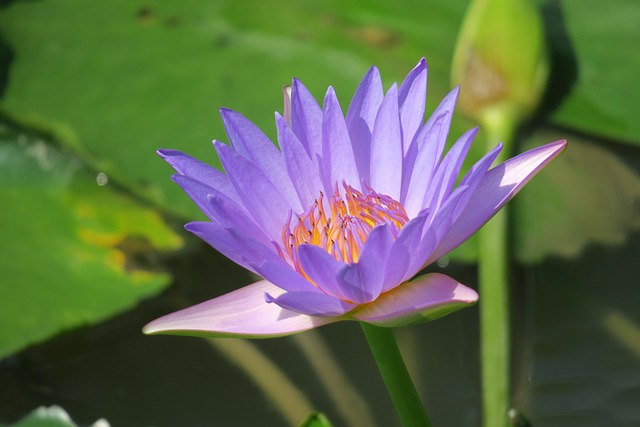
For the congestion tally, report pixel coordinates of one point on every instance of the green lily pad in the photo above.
(73, 252)
(316, 420)
(603, 100)
(53, 416)
(588, 195)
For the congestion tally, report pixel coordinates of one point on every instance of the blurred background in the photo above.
(92, 245)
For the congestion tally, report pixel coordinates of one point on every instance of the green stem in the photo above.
(395, 375)
(493, 260)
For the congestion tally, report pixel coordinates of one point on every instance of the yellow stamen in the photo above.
(352, 217)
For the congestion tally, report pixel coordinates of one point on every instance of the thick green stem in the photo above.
(494, 293)
(395, 375)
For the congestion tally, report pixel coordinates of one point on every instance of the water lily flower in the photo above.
(342, 217)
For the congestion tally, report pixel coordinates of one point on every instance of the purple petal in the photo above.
(411, 97)
(302, 170)
(402, 251)
(322, 269)
(367, 99)
(497, 187)
(199, 193)
(253, 255)
(448, 170)
(306, 119)
(362, 282)
(419, 174)
(386, 148)
(242, 313)
(337, 152)
(311, 303)
(231, 215)
(425, 298)
(280, 273)
(199, 171)
(249, 141)
(437, 226)
(262, 200)
(425, 152)
(361, 117)
(474, 176)
(226, 242)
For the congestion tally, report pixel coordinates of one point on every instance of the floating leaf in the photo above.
(73, 253)
(588, 195)
(603, 37)
(53, 416)
(316, 420)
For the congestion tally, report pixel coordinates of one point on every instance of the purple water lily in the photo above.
(341, 218)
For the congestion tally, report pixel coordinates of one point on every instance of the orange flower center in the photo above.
(343, 224)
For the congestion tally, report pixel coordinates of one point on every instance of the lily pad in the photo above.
(316, 420)
(603, 37)
(73, 252)
(53, 416)
(588, 195)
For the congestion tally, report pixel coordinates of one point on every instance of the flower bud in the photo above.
(500, 60)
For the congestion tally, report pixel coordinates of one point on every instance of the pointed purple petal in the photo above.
(425, 152)
(306, 119)
(242, 313)
(337, 152)
(418, 176)
(261, 199)
(224, 241)
(411, 97)
(474, 176)
(199, 193)
(361, 117)
(253, 255)
(231, 215)
(402, 251)
(311, 303)
(497, 187)
(386, 148)
(199, 171)
(249, 141)
(280, 273)
(301, 169)
(362, 282)
(425, 298)
(322, 269)
(437, 226)
(447, 171)
(367, 99)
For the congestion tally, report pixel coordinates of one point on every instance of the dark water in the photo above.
(576, 357)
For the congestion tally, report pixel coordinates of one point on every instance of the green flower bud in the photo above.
(500, 60)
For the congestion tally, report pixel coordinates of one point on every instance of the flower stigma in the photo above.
(342, 224)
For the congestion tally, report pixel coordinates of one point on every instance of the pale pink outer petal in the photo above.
(243, 313)
(422, 299)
